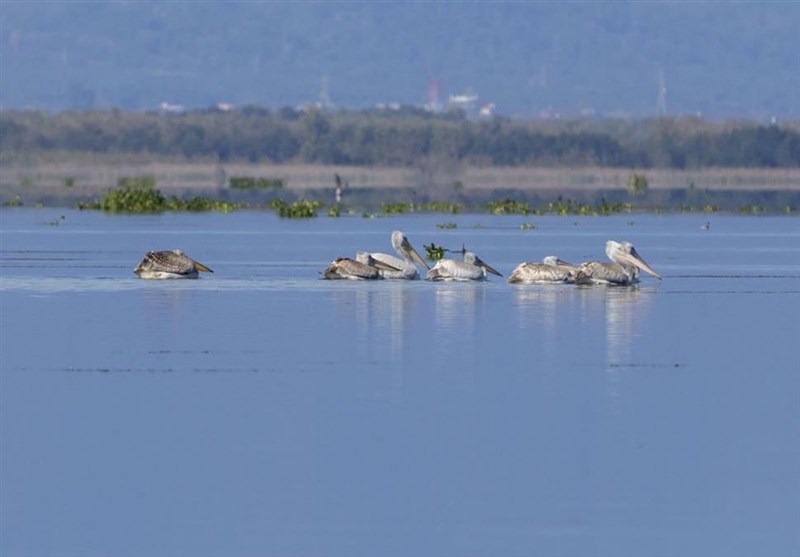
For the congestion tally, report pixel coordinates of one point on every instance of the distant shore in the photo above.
(65, 181)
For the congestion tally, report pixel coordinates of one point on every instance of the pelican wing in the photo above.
(345, 268)
(596, 272)
(541, 273)
(169, 264)
(403, 269)
(450, 269)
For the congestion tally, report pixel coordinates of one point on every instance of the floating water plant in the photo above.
(447, 226)
(752, 209)
(508, 207)
(138, 196)
(569, 207)
(199, 204)
(442, 207)
(302, 209)
(434, 252)
(130, 197)
(335, 210)
(397, 208)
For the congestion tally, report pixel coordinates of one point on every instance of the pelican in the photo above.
(622, 272)
(170, 264)
(406, 263)
(551, 270)
(365, 267)
(472, 268)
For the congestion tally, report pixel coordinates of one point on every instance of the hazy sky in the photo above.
(718, 59)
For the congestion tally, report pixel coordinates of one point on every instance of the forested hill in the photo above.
(400, 138)
(721, 59)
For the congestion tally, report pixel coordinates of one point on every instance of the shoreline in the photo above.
(74, 179)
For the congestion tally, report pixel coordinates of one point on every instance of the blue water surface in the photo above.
(262, 410)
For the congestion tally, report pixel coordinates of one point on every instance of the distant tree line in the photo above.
(405, 137)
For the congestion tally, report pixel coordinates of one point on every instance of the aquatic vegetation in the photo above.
(434, 252)
(752, 209)
(249, 183)
(140, 197)
(508, 207)
(527, 226)
(200, 204)
(569, 207)
(447, 226)
(335, 210)
(16, 201)
(398, 208)
(441, 207)
(69, 182)
(301, 209)
(130, 197)
(432, 207)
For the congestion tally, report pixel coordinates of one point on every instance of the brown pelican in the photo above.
(366, 268)
(472, 268)
(623, 271)
(170, 264)
(406, 263)
(551, 270)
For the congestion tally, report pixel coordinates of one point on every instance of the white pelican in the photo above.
(406, 264)
(623, 271)
(170, 264)
(551, 270)
(365, 269)
(472, 268)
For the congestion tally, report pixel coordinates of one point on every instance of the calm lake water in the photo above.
(261, 410)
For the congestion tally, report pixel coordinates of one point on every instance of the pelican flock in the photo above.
(622, 270)
(170, 264)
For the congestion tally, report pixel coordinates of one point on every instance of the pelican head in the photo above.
(625, 254)
(403, 247)
(472, 259)
(554, 261)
